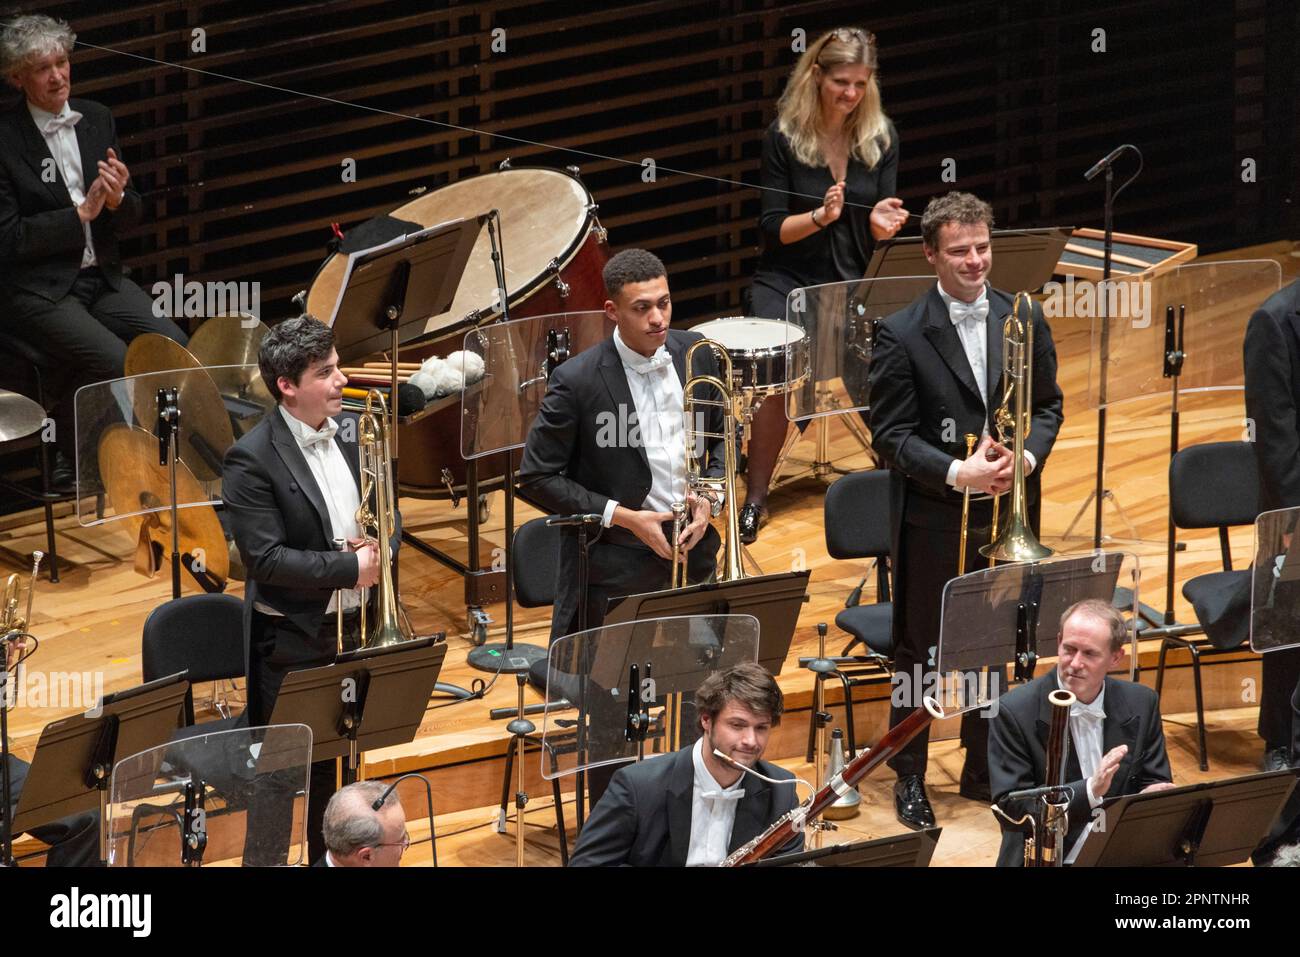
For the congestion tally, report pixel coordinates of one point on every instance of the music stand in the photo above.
(774, 600)
(993, 616)
(186, 801)
(1023, 259)
(366, 699)
(497, 413)
(1216, 824)
(74, 757)
(1275, 581)
(899, 850)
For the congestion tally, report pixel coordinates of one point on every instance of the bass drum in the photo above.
(554, 250)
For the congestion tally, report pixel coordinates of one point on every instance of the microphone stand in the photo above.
(6, 785)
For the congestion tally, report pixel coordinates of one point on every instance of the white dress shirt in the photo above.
(713, 813)
(1087, 722)
(973, 331)
(660, 418)
(61, 140)
(338, 488)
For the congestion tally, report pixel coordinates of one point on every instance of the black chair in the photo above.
(202, 635)
(857, 519)
(24, 370)
(1213, 485)
(535, 559)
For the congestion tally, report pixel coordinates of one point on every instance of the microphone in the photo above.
(762, 777)
(587, 519)
(1102, 164)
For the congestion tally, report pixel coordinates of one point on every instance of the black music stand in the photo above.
(1200, 825)
(773, 599)
(366, 699)
(900, 850)
(73, 763)
(1022, 258)
(992, 616)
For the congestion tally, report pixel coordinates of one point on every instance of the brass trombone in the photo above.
(391, 624)
(1015, 541)
(731, 401)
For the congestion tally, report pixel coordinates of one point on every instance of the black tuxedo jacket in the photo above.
(583, 451)
(1272, 364)
(1018, 751)
(924, 400)
(41, 239)
(644, 817)
(282, 525)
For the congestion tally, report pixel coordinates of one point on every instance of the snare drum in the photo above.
(768, 356)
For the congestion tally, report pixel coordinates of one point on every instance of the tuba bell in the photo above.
(731, 401)
(1015, 541)
(391, 625)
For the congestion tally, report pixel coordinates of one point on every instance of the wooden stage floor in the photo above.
(92, 620)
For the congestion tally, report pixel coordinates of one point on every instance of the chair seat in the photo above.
(870, 624)
(1222, 604)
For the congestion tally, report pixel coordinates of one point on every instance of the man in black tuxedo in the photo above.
(608, 440)
(1272, 366)
(691, 808)
(65, 198)
(1117, 743)
(936, 375)
(292, 489)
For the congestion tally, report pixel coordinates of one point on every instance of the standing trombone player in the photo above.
(292, 486)
(936, 375)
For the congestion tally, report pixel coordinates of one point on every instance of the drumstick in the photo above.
(413, 366)
(376, 374)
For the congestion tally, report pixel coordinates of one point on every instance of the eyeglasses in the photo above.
(404, 843)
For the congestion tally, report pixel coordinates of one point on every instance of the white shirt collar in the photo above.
(705, 781)
(303, 432)
(1097, 708)
(635, 362)
(949, 299)
(40, 117)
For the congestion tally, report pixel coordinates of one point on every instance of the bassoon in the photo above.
(796, 819)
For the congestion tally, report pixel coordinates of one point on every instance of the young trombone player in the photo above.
(292, 487)
(936, 375)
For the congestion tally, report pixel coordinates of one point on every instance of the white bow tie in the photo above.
(723, 794)
(68, 119)
(1092, 712)
(959, 312)
(656, 361)
(313, 437)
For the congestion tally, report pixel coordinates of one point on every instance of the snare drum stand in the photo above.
(821, 466)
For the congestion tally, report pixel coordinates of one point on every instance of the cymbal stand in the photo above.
(168, 432)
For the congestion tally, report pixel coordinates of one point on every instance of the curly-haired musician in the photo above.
(691, 807)
(292, 488)
(936, 375)
(65, 198)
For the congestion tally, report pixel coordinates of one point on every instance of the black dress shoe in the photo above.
(910, 803)
(752, 518)
(63, 475)
(1277, 759)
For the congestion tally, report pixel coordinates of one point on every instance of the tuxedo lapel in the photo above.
(620, 395)
(1120, 728)
(287, 448)
(681, 790)
(38, 156)
(351, 449)
(750, 813)
(941, 334)
(999, 308)
(88, 146)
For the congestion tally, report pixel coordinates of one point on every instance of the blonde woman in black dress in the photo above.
(830, 167)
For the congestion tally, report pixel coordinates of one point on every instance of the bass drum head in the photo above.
(545, 214)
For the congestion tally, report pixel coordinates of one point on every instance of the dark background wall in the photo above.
(241, 180)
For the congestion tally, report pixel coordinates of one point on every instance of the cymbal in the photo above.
(139, 488)
(233, 341)
(19, 416)
(205, 432)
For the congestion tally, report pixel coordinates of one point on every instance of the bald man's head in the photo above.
(359, 836)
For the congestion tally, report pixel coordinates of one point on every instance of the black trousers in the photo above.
(86, 332)
(73, 840)
(927, 560)
(277, 647)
